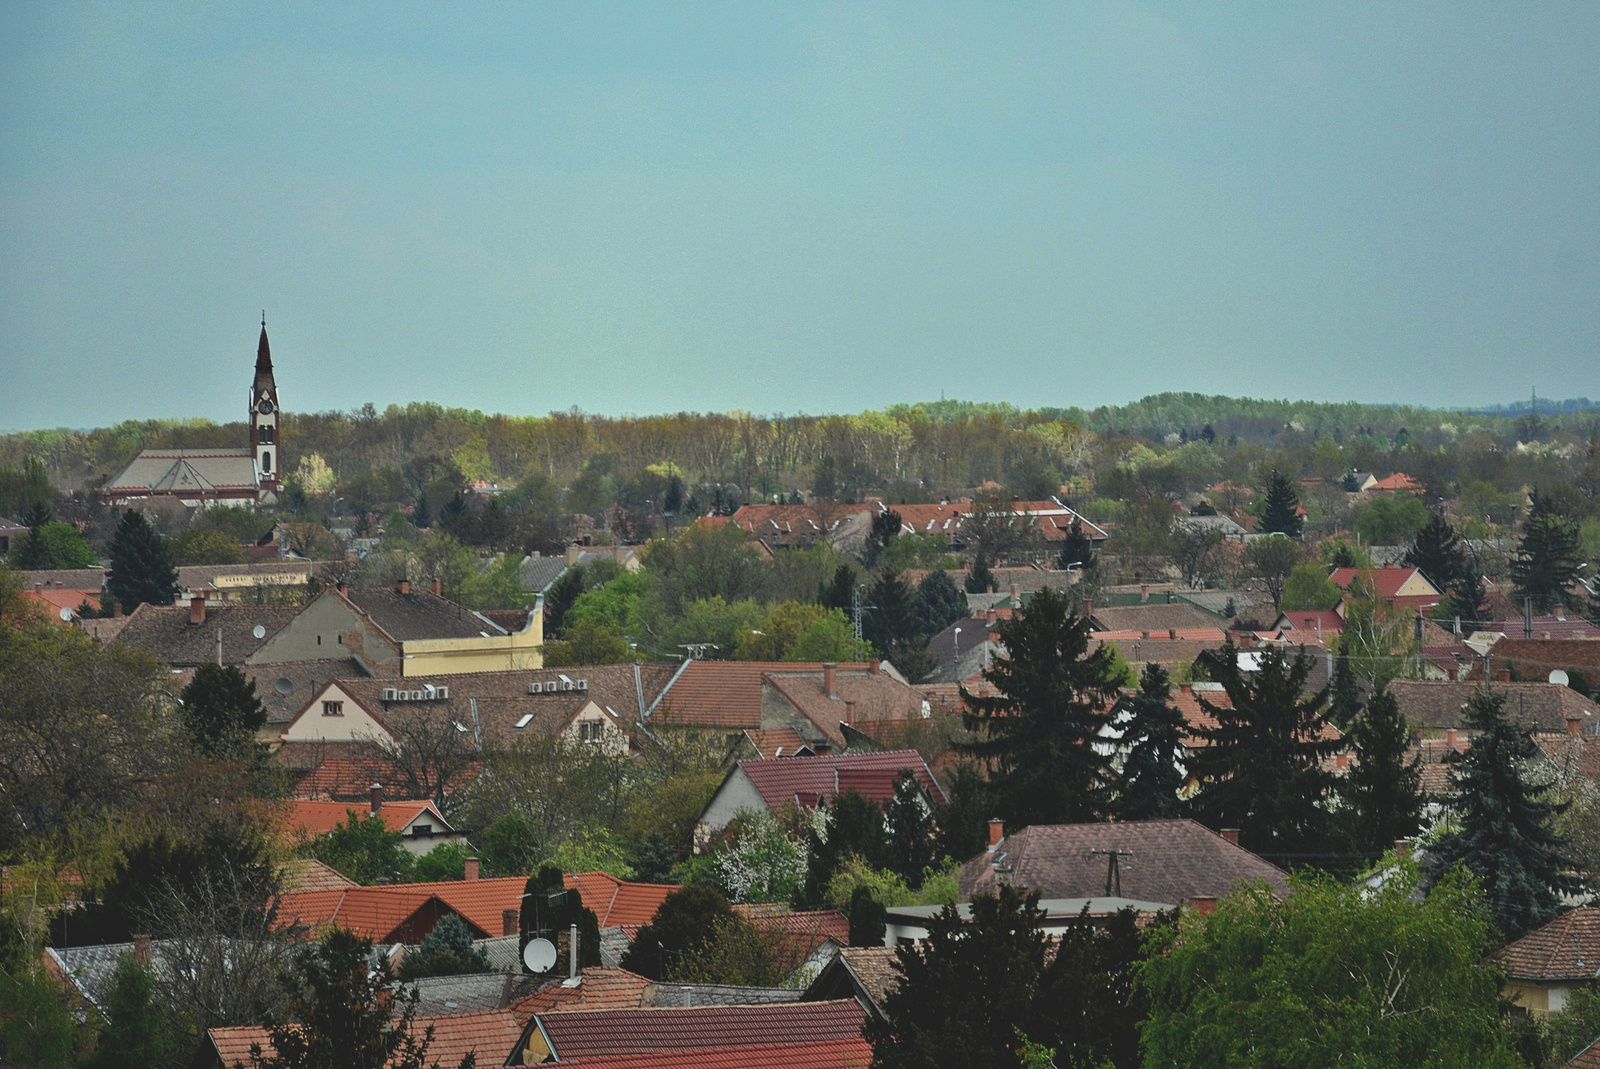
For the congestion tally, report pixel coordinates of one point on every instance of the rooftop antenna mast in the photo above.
(1113, 868)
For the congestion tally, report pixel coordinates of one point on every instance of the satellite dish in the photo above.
(284, 686)
(260, 631)
(539, 955)
(66, 615)
(1559, 678)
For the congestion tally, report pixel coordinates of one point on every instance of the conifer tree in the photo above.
(1262, 770)
(1278, 514)
(141, 565)
(1506, 836)
(221, 710)
(1076, 549)
(1382, 792)
(1040, 728)
(1344, 700)
(980, 578)
(1438, 552)
(1151, 775)
(1548, 557)
(838, 592)
(137, 1033)
(939, 604)
(909, 830)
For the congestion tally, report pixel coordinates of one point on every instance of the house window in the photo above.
(590, 730)
(333, 708)
(422, 830)
(266, 460)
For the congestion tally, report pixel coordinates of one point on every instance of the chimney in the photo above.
(1341, 761)
(1402, 848)
(1574, 726)
(436, 588)
(377, 797)
(1016, 596)
(1232, 835)
(341, 587)
(1503, 676)
(997, 831)
(1144, 635)
(572, 554)
(141, 950)
(1450, 737)
(1172, 633)
(829, 681)
(510, 922)
(197, 610)
(1144, 592)
(1088, 608)
(572, 952)
(1203, 904)
(876, 667)
(1185, 688)
(470, 868)
(38, 588)
(403, 586)
(850, 713)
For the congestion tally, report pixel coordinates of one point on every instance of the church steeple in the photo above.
(264, 380)
(264, 418)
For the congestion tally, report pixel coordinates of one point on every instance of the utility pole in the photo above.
(1113, 868)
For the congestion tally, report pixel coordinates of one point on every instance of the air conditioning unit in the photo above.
(583, 684)
(390, 694)
(442, 693)
(427, 689)
(536, 687)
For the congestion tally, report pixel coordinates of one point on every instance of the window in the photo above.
(422, 830)
(272, 434)
(266, 460)
(591, 730)
(333, 708)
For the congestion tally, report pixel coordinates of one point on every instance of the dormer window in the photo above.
(333, 708)
(591, 730)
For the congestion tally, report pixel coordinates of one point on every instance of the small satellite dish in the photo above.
(260, 631)
(1559, 678)
(539, 955)
(284, 686)
(66, 616)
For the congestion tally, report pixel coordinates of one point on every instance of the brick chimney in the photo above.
(850, 712)
(38, 588)
(1144, 592)
(510, 922)
(1503, 676)
(1203, 904)
(1341, 761)
(470, 868)
(829, 680)
(377, 797)
(1232, 835)
(403, 586)
(1402, 848)
(1450, 737)
(1185, 688)
(1088, 608)
(197, 610)
(1574, 726)
(341, 586)
(997, 831)
(1172, 634)
(1145, 635)
(141, 950)
(1016, 596)
(436, 587)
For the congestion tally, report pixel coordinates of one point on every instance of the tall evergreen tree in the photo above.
(1076, 549)
(854, 826)
(838, 592)
(979, 578)
(892, 625)
(909, 830)
(1278, 514)
(1506, 836)
(137, 1033)
(885, 526)
(939, 603)
(1344, 700)
(221, 711)
(1440, 554)
(141, 565)
(1548, 557)
(1383, 792)
(1262, 772)
(1151, 774)
(1039, 730)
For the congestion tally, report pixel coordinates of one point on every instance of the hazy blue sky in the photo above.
(793, 208)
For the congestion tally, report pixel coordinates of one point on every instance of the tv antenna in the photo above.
(1113, 868)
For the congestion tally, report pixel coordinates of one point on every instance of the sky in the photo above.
(793, 208)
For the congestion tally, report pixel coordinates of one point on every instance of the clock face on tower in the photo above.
(265, 408)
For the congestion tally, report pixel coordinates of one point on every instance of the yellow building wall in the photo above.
(493, 653)
(1535, 998)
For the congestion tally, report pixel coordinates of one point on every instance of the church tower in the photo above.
(264, 419)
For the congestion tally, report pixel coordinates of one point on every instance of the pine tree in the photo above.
(1039, 731)
(137, 1033)
(1382, 793)
(980, 578)
(1262, 770)
(885, 526)
(839, 592)
(1439, 553)
(1345, 694)
(1151, 775)
(939, 603)
(1507, 836)
(221, 711)
(1278, 514)
(1548, 556)
(141, 565)
(854, 826)
(908, 829)
(1076, 549)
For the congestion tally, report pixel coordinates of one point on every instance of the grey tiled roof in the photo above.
(683, 996)
(285, 688)
(165, 632)
(537, 573)
(470, 993)
(420, 615)
(1215, 601)
(1541, 706)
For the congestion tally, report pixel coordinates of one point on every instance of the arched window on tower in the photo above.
(266, 460)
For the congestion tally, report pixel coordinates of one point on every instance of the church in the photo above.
(202, 478)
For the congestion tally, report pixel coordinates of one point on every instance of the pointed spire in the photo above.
(264, 379)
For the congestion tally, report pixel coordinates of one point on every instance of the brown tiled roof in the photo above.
(165, 632)
(645, 1031)
(1568, 948)
(873, 968)
(309, 874)
(419, 614)
(810, 779)
(723, 694)
(1557, 627)
(1576, 757)
(512, 620)
(1587, 1058)
(1157, 618)
(1536, 658)
(1170, 861)
(285, 687)
(224, 577)
(1540, 706)
(1162, 651)
(68, 578)
(827, 1054)
(775, 742)
(492, 1034)
(876, 696)
(796, 933)
(601, 988)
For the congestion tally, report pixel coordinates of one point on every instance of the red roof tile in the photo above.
(1384, 582)
(612, 1032)
(599, 988)
(775, 742)
(493, 1034)
(319, 818)
(829, 1054)
(1568, 948)
(617, 902)
(872, 774)
(723, 694)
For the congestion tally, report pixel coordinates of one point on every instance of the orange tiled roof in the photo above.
(617, 901)
(1398, 481)
(852, 1053)
(724, 694)
(1384, 582)
(492, 1034)
(775, 742)
(600, 988)
(319, 818)
(309, 874)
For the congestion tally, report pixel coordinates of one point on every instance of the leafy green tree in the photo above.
(342, 1014)
(1261, 770)
(364, 849)
(566, 590)
(510, 845)
(141, 565)
(869, 918)
(938, 604)
(1391, 521)
(1443, 559)
(137, 1033)
(588, 642)
(705, 562)
(1279, 507)
(686, 920)
(1308, 587)
(447, 861)
(850, 824)
(1272, 560)
(1382, 792)
(1038, 731)
(1505, 822)
(206, 547)
(221, 712)
(445, 951)
(830, 638)
(37, 1027)
(1335, 974)
(53, 545)
(1151, 773)
(1548, 557)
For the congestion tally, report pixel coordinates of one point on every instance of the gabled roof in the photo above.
(1543, 627)
(1568, 948)
(1322, 621)
(200, 472)
(419, 615)
(492, 1034)
(657, 1031)
(1167, 861)
(859, 698)
(872, 968)
(164, 631)
(285, 687)
(1536, 657)
(309, 874)
(1156, 618)
(1398, 481)
(617, 901)
(776, 742)
(598, 988)
(1050, 518)
(723, 694)
(1538, 706)
(1384, 582)
(807, 780)
(318, 818)
(536, 574)
(826, 1054)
